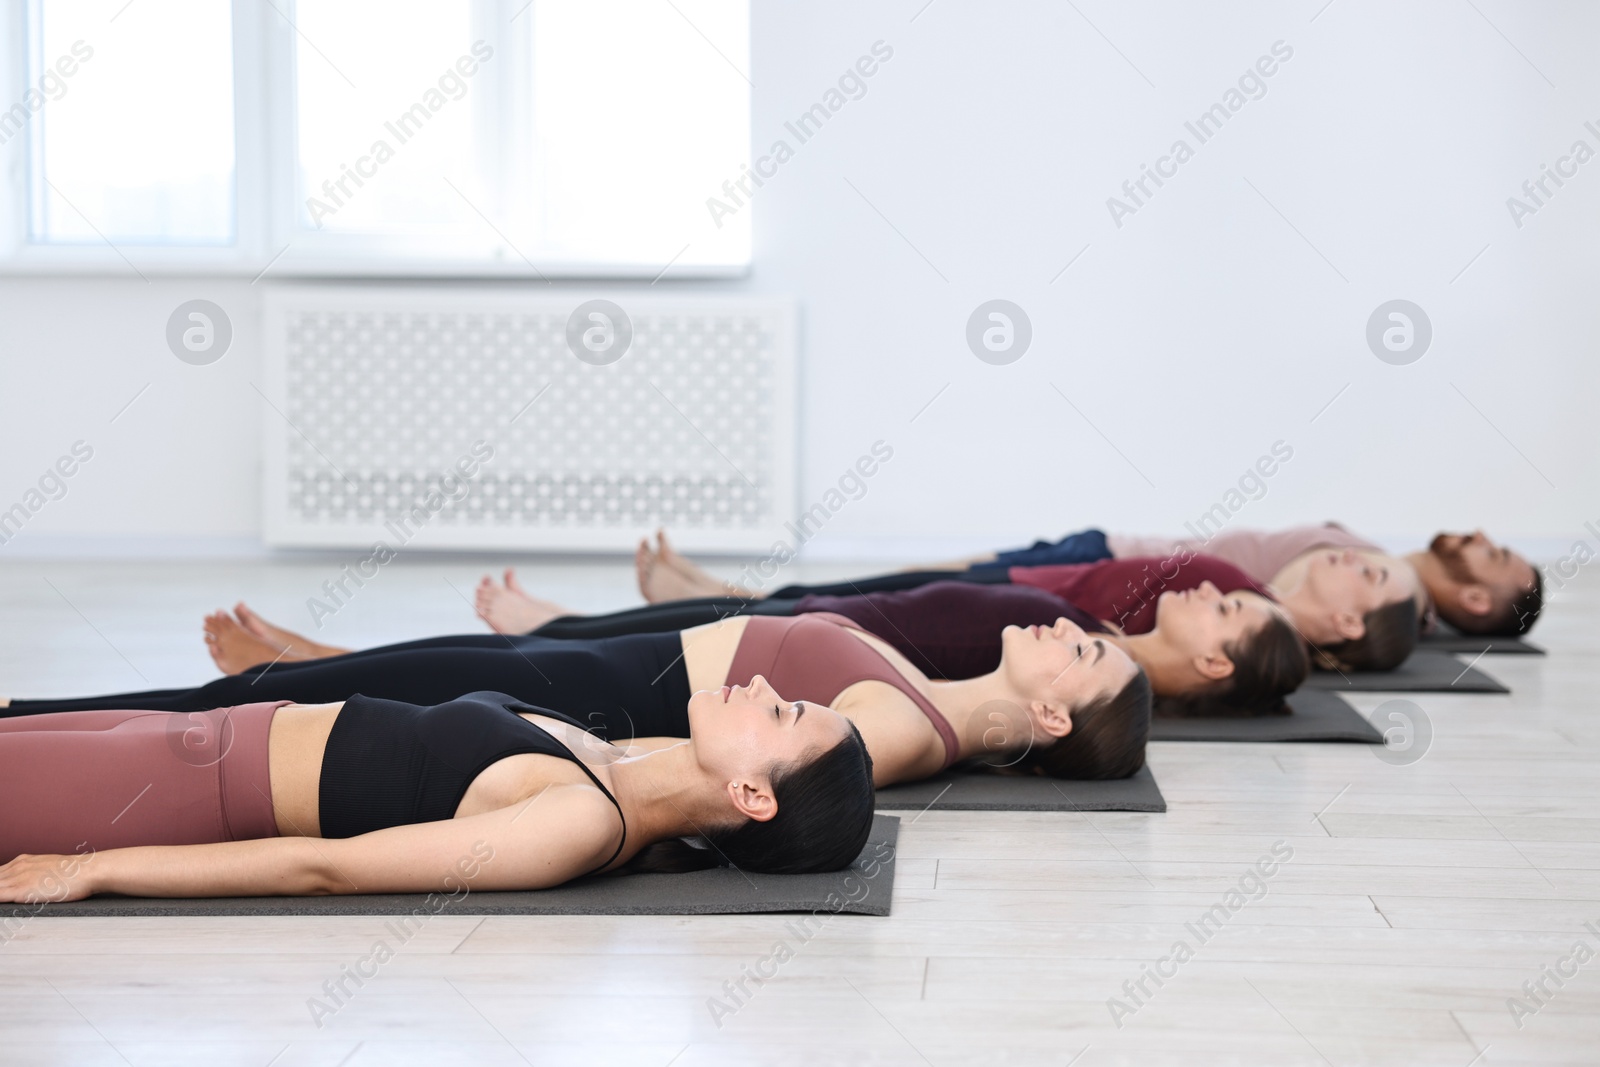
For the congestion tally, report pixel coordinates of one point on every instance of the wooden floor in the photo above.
(1419, 900)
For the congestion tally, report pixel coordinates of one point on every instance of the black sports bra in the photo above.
(393, 764)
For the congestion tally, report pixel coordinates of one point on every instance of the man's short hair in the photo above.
(1518, 615)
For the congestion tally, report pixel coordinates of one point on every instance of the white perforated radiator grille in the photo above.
(468, 419)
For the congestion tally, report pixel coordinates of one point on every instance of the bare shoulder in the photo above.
(597, 820)
(577, 827)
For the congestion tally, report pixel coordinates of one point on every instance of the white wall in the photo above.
(1204, 329)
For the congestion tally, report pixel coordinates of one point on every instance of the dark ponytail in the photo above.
(1268, 665)
(824, 816)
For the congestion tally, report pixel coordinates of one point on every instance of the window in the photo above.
(171, 142)
(473, 137)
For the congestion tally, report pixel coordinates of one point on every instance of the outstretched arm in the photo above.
(562, 833)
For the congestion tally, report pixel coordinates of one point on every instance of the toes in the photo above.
(512, 583)
(247, 619)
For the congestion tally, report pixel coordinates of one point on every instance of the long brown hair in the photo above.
(1107, 739)
(1390, 637)
(1268, 665)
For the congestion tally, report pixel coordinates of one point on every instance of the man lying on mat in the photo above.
(1470, 582)
(373, 796)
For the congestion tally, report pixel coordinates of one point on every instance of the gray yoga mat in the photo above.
(1424, 672)
(974, 791)
(1447, 640)
(1316, 715)
(862, 889)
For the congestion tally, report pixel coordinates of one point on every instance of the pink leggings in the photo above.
(81, 780)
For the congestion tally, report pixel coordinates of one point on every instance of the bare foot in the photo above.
(659, 582)
(511, 609)
(703, 581)
(298, 646)
(644, 569)
(234, 649)
(665, 575)
(672, 558)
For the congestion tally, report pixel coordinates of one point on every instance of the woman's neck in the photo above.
(988, 716)
(1168, 670)
(1300, 604)
(665, 794)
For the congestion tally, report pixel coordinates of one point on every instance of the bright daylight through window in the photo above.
(373, 136)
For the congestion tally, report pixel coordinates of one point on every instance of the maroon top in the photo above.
(1124, 591)
(949, 629)
(815, 658)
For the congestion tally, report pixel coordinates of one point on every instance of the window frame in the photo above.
(268, 237)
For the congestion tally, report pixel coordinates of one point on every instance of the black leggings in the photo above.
(892, 583)
(630, 686)
(672, 615)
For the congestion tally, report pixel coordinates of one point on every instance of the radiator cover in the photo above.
(373, 396)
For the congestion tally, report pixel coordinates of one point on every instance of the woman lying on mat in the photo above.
(1356, 608)
(1207, 651)
(373, 796)
(1057, 701)
(1204, 652)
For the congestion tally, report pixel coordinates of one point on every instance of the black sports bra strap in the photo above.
(620, 818)
(584, 767)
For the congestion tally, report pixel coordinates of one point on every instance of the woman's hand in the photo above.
(44, 880)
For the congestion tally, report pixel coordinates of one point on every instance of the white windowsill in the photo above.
(227, 263)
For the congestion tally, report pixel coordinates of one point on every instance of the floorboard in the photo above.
(1419, 900)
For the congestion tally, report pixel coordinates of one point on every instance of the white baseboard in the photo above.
(140, 547)
(899, 550)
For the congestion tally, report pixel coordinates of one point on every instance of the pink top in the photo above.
(813, 657)
(1261, 554)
